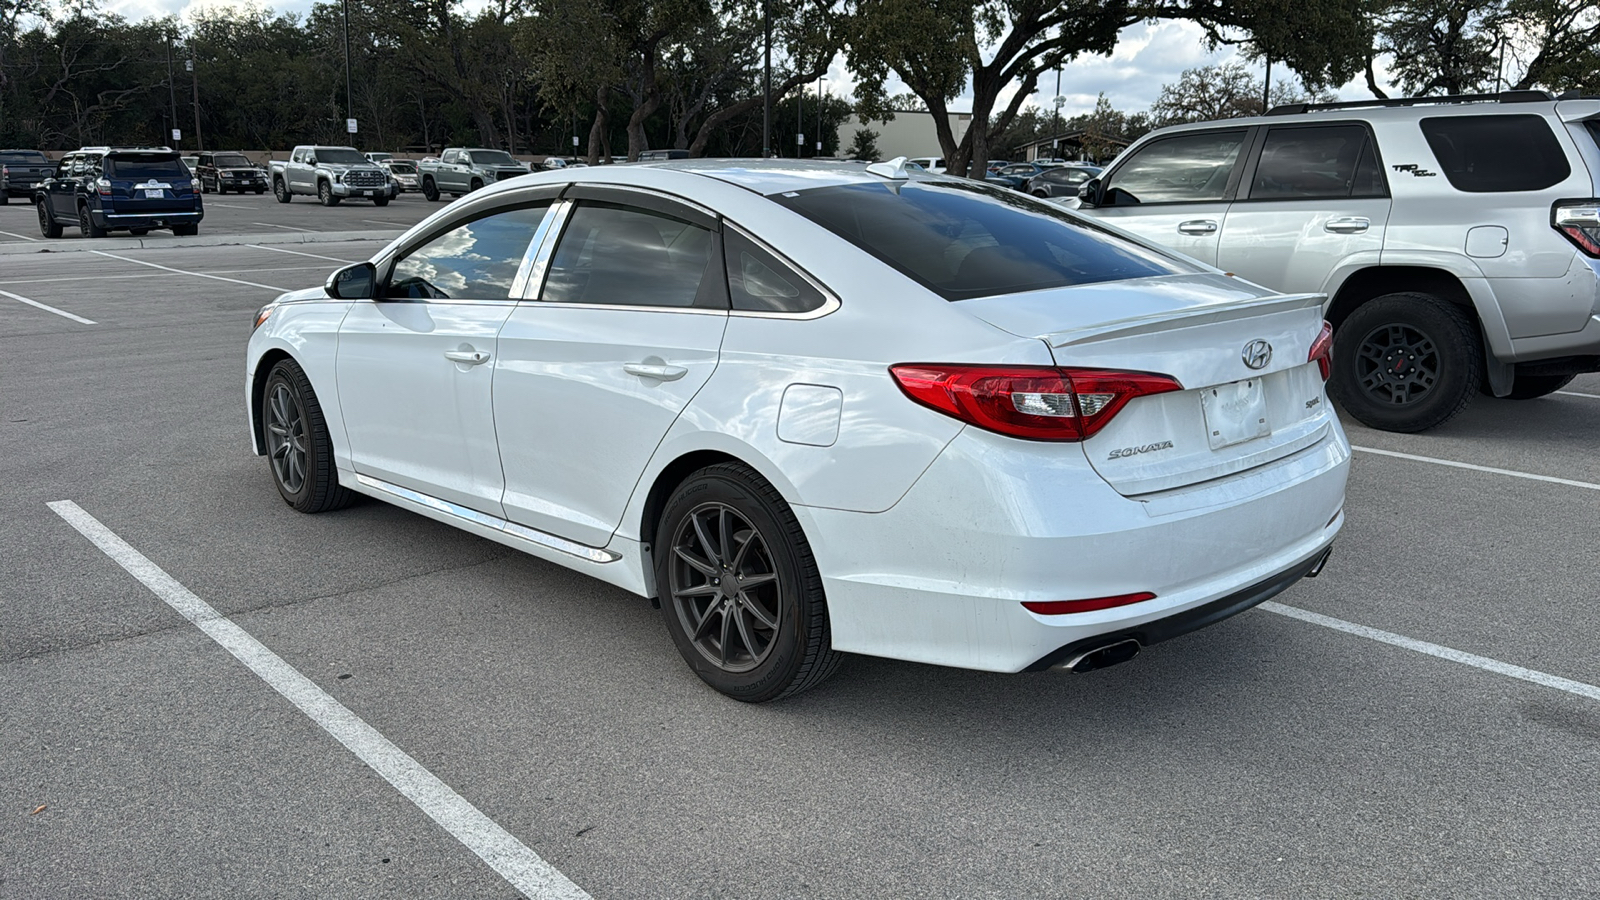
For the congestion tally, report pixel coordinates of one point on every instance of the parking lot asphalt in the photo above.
(1264, 757)
(242, 214)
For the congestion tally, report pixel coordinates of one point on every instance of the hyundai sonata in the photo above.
(809, 409)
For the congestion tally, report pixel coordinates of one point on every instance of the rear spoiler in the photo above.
(1165, 321)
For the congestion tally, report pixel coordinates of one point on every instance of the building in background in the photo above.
(909, 134)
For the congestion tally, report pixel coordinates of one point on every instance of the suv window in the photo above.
(625, 256)
(1497, 154)
(760, 282)
(144, 165)
(1066, 176)
(964, 240)
(1322, 161)
(476, 260)
(1187, 168)
(451, 156)
(229, 159)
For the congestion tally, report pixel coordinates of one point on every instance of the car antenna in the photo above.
(894, 168)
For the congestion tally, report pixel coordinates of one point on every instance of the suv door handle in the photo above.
(1347, 224)
(662, 373)
(1198, 226)
(467, 357)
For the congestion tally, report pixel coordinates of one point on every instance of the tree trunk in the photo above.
(637, 142)
(597, 131)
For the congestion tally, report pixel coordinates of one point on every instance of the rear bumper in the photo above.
(145, 220)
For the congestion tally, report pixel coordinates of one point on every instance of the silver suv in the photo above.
(1457, 238)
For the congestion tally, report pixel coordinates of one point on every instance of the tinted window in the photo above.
(1066, 176)
(620, 255)
(1186, 168)
(230, 160)
(760, 282)
(24, 159)
(474, 261)
(1017, 170)
(1495, 154)
(968, 240)
(138, 168)
(343, 156)
(404, 167)
(1303, 163)
(493, 158)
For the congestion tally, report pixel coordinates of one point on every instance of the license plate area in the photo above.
(155, 194)
(1235, 413)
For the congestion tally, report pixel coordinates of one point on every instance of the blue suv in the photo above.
(103, 189)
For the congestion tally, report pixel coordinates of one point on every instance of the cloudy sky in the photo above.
(1147, 56)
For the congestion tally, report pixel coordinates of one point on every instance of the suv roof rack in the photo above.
(1502, 97)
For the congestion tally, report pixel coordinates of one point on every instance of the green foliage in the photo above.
(864, 145)
(1222, 92)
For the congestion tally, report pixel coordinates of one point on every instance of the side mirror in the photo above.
(357, 282)
(1089, 194)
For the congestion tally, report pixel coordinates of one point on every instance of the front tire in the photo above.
(1406, 362)
(1532, 387)
(325, 194)
(48, 226)
(280, 189)
(380, 201)
(299, 451)
(430, 190)
(739, 588)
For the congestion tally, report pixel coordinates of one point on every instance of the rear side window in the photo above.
(1497, 154)
(625, 256)
(1189, 168)
(760, 282)
(1320, 162)
(139, 168)
(964, 240)
(474, 261)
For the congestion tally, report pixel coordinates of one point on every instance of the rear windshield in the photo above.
(27, 158)
(145, 166)
(230, 159)
(964, 240)
(1497, 154)
(398, 166)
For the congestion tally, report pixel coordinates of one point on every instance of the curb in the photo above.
(201, 240)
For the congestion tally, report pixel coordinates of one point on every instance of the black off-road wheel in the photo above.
(186, 230)
(739, 588)
(280, 189)
(86, 223)
(430, 190)
(1406, 362)
(1532, 387)
(299, 451)
(475, 185)
(48, 226)
(138, 232)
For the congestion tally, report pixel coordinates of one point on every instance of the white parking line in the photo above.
(382, 222)
(298, 253)
(1457, 656)
(524, 869)
(1587, 485)
(185, 272)
(290, 227)
(15, 235)
(60, 312)
(228, 205)
(1576, 394)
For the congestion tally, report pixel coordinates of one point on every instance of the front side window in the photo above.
(624, 256)
(1189, 168)
(451, 156)
(760, 282)
(964, 240)
(1497, 154)
(476, 260)
(1312, 163)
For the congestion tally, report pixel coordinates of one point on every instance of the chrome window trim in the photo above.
(637, 189)
(830, 300)
(687, 310)
(541, 249)
(512, 529)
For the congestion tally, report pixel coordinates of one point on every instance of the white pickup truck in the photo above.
(331, 174)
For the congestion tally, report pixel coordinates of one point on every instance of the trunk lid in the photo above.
(147, 184)
(1199, 329)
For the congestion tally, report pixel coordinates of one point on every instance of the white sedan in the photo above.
(813, 409)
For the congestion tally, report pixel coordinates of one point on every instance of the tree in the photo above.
(1221, 92)
(1441, 46)
(1560, 41)
(864, 145)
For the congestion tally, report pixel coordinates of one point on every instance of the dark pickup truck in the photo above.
(21, 171)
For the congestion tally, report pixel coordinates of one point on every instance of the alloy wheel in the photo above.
(725, 587)
(286, 438)
(1397, 364)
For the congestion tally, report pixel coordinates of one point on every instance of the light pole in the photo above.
(1266, 89)
(199, 143)
(172, 95)
(766, 81)
(349, 108)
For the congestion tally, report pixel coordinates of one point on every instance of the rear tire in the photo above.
(280, 189)
(186, 230)
(299, 451)
(1406, 362)
(5, 197)
(86, 223)
(203, 188)
(739, 588)
(138, 232)
(430, 190)
(259, 191)
(48, 226)
(1531, 387)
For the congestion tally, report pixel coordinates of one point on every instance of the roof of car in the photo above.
(775, 176)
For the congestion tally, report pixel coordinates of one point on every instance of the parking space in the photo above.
(1267, 756)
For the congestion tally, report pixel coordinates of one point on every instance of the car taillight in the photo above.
(104, 187)
(1322, 350)
(1579, 222)
(1063, 607)
(1039, 403)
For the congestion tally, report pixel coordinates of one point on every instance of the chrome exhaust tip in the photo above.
(1102, 657)
(1316, 567)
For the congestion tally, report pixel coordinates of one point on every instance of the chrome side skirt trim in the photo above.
(521, 532)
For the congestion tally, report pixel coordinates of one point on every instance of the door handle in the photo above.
(1198, 226)
(467, 357)
(1347, 224)
(660, 373)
